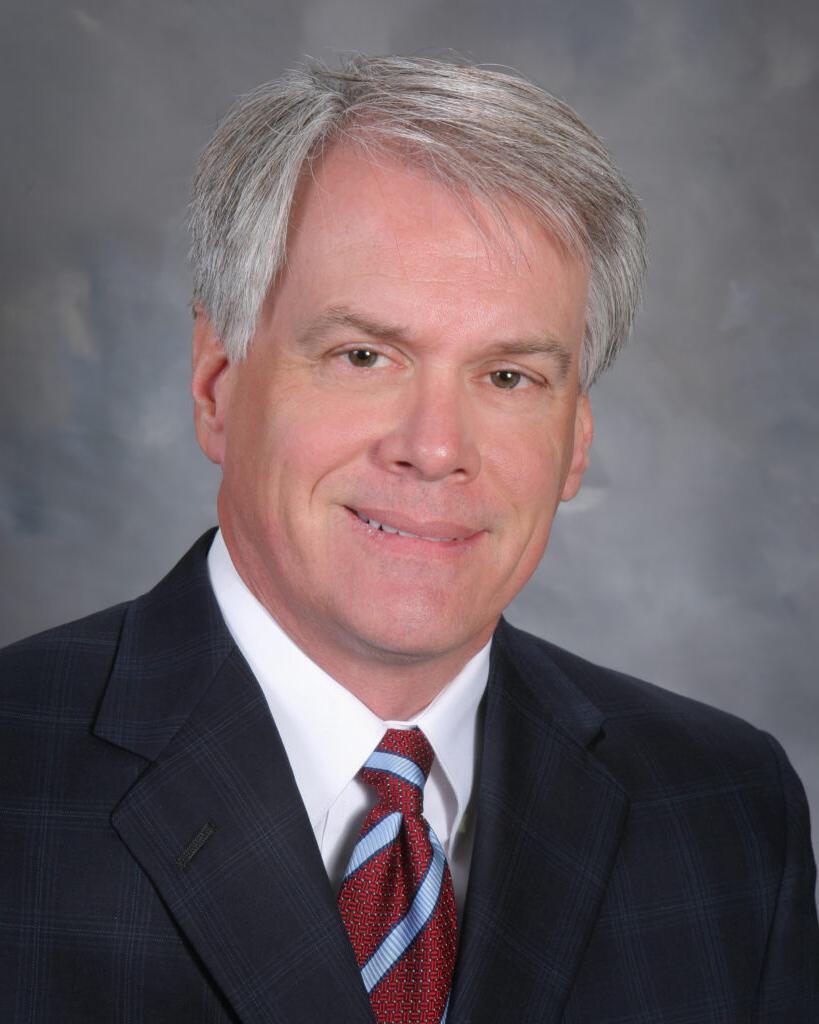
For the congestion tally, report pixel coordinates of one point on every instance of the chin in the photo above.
(413, 630)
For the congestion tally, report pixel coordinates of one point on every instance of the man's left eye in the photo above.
(363, 357)
(508, 379)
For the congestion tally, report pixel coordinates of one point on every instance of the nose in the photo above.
(432, 433)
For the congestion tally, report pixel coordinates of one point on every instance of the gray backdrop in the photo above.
(691, 556)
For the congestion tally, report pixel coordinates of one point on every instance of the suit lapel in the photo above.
(549, 822)
(216, 820)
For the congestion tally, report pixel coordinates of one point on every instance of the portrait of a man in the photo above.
(314, 773)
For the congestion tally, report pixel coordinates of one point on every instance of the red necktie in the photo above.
(396, 898)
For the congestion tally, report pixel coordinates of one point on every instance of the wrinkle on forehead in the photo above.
(499, 229)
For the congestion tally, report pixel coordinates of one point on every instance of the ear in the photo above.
(583, 434)
(210, 386)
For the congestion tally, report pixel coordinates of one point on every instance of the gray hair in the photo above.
(483, 133)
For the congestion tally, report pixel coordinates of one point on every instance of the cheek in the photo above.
(306, 446)
(252, 458)
(529, 475)
(285, 463)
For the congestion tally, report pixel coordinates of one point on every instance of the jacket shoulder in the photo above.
(651, 735)
(82, 651)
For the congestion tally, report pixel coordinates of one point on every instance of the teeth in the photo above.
(369, 522)
(385, 528)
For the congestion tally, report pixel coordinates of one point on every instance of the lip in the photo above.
(444, 531)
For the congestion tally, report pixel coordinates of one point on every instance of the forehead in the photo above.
(377, 228)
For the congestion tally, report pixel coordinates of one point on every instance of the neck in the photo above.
(394, 686)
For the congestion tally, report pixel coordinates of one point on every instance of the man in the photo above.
(313, 775)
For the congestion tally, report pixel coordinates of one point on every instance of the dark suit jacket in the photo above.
(638, 857)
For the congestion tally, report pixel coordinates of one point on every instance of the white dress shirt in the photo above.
(328, 733)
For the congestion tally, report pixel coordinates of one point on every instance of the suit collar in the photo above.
(215, 820)
(523, 671)
(549, 823)
(173, 641)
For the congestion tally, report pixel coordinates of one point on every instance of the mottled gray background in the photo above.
(690, 558)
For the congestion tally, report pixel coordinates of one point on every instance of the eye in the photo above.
(363, 358)
(508, 379)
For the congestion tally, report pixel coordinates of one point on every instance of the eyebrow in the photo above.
(536, 347)
(343, 317)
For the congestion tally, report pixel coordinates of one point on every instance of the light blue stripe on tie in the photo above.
(379, 836)
(404, 767)
(403, 933)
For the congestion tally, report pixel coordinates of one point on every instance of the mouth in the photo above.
(438, 532)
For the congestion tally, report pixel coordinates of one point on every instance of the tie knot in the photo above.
(398, 768)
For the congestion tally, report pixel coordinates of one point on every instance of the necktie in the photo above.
(396, 898)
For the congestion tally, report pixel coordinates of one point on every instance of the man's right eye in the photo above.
(363, 358)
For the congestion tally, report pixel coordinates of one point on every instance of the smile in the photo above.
(439, 533)
(401, 533)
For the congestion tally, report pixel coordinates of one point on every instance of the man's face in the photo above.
(409, 372)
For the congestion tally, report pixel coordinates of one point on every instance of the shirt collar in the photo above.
(326, 731)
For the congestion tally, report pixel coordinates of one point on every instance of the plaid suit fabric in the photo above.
(638, 857)
(102, 918)
(682, 892)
